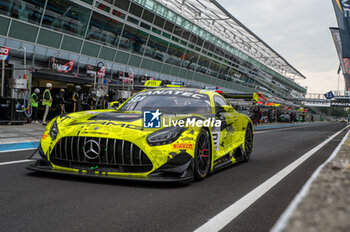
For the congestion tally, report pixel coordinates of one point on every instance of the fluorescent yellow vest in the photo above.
(45, 101)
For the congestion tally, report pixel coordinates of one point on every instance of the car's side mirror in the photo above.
(224, 108)
(114, 104)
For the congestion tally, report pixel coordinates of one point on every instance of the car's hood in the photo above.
(100, 123)
(109, 124)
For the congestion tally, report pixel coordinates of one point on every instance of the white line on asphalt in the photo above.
(282, 129)
(282, 221)
(15, 162)
(24, 149)
(227, 215)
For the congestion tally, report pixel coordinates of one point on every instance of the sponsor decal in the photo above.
(61, 65)
(318, 104)
(92, 112)
(188, 146)
(94, 167)
(216, 138)
(94, 133)
(186, 138)
(97, 71)
(127, 116)
(44, 136)
(340, 104)
(108, 123)
(136, 99)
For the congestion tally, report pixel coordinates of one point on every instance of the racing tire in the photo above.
(248, 143)
(202, 157)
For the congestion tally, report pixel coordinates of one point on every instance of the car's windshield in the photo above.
(171, 102)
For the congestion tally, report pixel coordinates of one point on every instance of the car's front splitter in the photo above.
(183, 173)
(178, 169)
(48, 169)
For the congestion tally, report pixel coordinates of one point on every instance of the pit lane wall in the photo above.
(326, 203)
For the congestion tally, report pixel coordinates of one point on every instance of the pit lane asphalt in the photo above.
(32, 201)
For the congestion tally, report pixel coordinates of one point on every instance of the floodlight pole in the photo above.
(338, 85)
(2, 77)
(95, 81)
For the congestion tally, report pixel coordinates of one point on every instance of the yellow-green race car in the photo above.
(172, 134)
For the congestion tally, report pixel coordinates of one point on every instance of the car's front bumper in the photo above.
(179, 169)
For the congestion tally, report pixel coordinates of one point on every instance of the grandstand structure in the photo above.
(195, 41)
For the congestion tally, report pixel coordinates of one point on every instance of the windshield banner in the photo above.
(177, 93)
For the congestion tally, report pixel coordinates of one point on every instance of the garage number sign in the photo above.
(4, 53)
(153, 83)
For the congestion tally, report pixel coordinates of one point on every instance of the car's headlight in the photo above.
(165, 136)
(54, 130)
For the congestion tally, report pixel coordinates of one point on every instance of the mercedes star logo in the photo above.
(91, 149)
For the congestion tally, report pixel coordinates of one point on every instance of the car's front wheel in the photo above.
(248, 143)
(202, 159)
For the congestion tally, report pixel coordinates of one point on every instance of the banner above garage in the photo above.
(342, 11)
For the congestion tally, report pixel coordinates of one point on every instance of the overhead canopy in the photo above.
(210, 15)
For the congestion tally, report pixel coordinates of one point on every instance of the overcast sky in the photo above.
(299, 31)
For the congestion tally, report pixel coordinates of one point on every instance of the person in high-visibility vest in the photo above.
(34, 100)
(76, 98)
(303, 115)
(47, 101)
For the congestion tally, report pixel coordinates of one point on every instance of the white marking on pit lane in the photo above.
(283, 129)
(284, 218)
(24, 149)
(15, 162)
(227, 215)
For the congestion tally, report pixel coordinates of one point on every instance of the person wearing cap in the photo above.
(60, 102)
(76, 98)
(47, 101)
(34, 100)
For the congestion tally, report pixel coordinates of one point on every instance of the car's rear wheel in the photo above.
(202, 159)
(248, 143)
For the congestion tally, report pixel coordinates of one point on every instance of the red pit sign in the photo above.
(4, 53)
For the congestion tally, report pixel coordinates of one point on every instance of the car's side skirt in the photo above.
(226, 160)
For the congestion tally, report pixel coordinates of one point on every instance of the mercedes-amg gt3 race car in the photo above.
(159, 134)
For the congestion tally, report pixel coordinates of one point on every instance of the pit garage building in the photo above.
(194, 41)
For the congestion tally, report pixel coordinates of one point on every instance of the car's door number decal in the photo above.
(216, 139)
